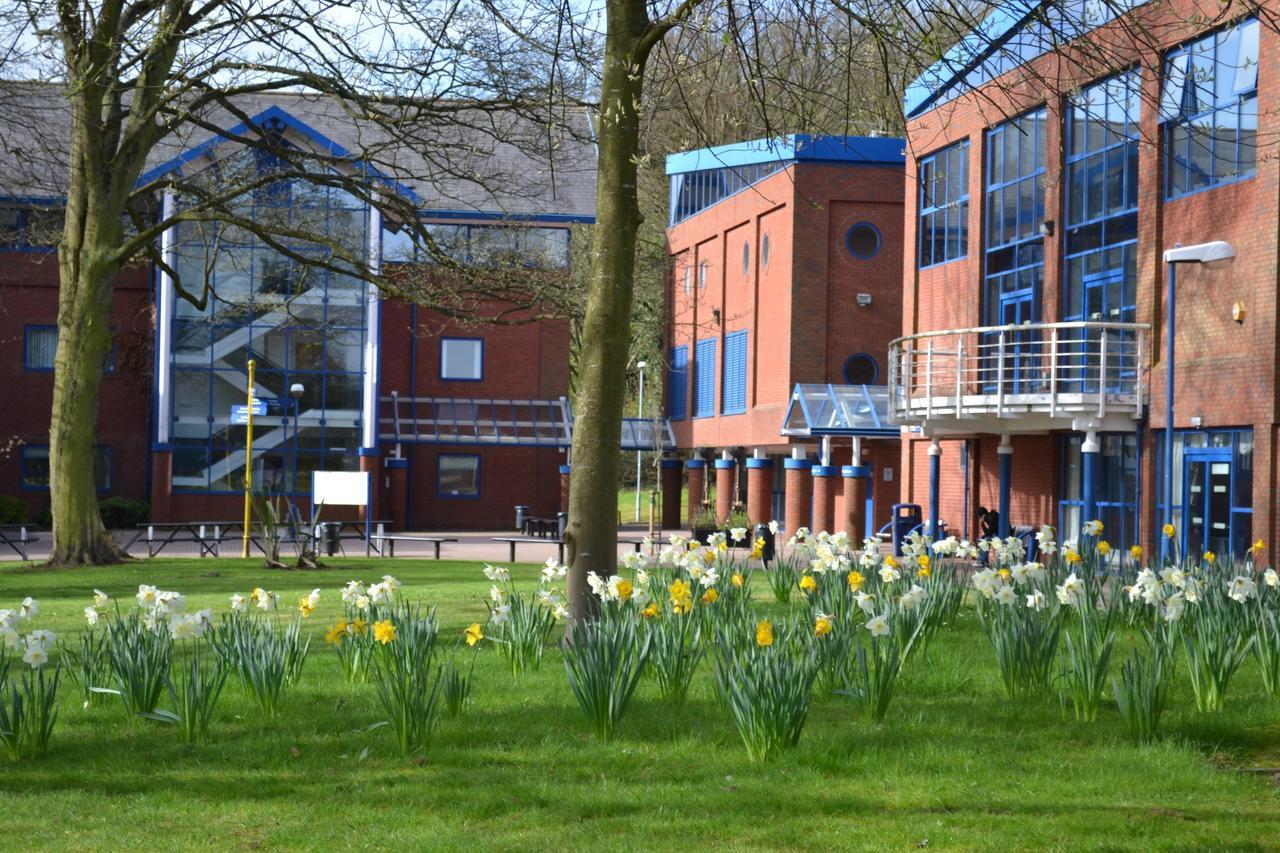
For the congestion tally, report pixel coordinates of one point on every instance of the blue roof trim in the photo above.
(487, 215)
(795, 147)
(277, 114)
(945, 79)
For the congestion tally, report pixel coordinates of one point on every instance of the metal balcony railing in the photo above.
(1054, 369)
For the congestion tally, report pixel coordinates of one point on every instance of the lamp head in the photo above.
(296, 390)
(1214, 255)
(641, 365)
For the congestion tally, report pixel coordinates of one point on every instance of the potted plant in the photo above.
(704, 522)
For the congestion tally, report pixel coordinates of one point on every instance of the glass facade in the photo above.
(1209, 110)
(1115, 491)
(1212, 490)
(498, 245)
(301, 324)
(944, 205)
(692, 192)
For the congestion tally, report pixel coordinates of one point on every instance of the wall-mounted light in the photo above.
(1196, 421)
(1046, 227)
(864, 300)
(715, 316)
(1238, 312)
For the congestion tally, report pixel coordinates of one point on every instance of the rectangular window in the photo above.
(462, 359)
(458, 475)
(40, 348)
(678, 384)
(30, 229)
(944, 205)
(1115, 490)
(1209, 110)
(35, 467)
(733, 393)
(704, 379)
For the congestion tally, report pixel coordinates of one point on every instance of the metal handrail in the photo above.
(1020, 327)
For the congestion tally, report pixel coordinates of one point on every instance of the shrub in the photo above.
(122, 513)
(13, 510)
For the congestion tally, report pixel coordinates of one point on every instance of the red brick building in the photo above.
(1053, 196)
(456, 421)
(784, 294)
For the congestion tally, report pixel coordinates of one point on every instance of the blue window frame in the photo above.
(1115, 492)
(458, 476)
(944, 205)
(40, 349)
(462, 359)
(691, 192)
(1014, 256)
(1209, 110)
(704, 378)
(1212, 490)
(678, 384)
(1100, 275)
(863, 240)
(733, 393)
(34, 462)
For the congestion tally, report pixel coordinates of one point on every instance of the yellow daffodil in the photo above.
(708, 557)
(1104, 548)
(335, 635)
(1210, 557)
(890, 562)
(651, 611)
(474, 634)
(722, 547)
(681, 597)
(923, 561)
(1072, 556)
(856, 580)
(1136, 552)
(822, 626)
(923, 572)
(710, 596)
(764, 633)
(624, 590)
(1005, 574)
(738, 580)
(758, 548)
(808, 584)
(384, 632)
(359, 626)
(305, 607)
(1168, 530)
(1257, 547)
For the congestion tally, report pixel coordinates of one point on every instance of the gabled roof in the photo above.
(1015, 33)
(466, 164)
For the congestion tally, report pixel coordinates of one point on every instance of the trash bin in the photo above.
(767, 552)
(331, 535)
(562, 524)
(906, 517)
(522, 514)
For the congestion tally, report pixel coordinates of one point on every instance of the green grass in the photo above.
(955, 765)
(627, 505)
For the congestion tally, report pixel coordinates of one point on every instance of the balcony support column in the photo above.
(1090, 453)
(935, 466)
(1005, 451)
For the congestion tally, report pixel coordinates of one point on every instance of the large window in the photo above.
(30, 229)
(1100, 280)
(944, 205)
(733, 393)
(1209, 110)
(458, 475)
(678, 384)
(300, 324)
(40, 349)
(1212, 490)
(1115, 491)
(497, 245)
(704, 379)
(35, 467)
(462, 359)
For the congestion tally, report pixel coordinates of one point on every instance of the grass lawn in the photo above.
(627, 505)
(956, 765)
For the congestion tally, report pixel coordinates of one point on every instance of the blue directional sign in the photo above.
(240, 414)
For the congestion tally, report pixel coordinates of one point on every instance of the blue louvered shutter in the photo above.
(704, 375)
(733, 394)
(678, 383)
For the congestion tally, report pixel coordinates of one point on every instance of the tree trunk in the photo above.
(592, 534)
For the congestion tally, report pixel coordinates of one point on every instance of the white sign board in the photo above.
(340, 488)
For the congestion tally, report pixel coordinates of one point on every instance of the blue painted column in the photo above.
(935, 473)
(1090, 453)
(1005, 451)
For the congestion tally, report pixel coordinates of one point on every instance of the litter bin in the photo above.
(330, 533)
(562, 524)
(767, 552)
(522, 514)
(906, 517)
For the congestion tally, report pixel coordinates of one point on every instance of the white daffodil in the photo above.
(773, 527)
(495, 593)
(496, 573)
(393, 585)
(1036, 600)
(1173, 606)
(599, 586)
(642, 577)
(560, 612)
(1270, 578)
(363, 602)
(709, 578)
(239, 603)
(878, 626)
(379, 593)
(866, 602)
(966, 550)
(1071, 592)
(268, 601)
(30, 607)
(501, 614)
(91, 616)
(182, 627)
(11, 638)
(1241, 588)
(42, 638)
(888, 574)
(1093, 528)
(1006, 596)
(1020, 574)
(632, 561)
(737, 534)
(987, 582)
(205, 618)
(147, 595)
(35, 656)
(352, 591)
(1193, 590)
(912, 597)
(313, 600)
(100, 599)
(9, 620)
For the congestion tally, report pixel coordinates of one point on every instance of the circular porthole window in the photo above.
(861, 369)
(764, 251)
(746, 257)
(863, 240)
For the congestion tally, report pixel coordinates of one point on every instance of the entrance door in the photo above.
(1022, 350)
(1105, 302)
(1206, 477)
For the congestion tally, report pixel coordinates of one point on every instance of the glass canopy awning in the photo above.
(513, 423)
(818, 410)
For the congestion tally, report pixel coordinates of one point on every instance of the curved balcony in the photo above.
(1021, 378)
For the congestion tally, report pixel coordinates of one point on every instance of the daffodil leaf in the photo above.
(162, 716)
(110, 690)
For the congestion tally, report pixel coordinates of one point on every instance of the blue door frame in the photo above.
(1104, 302)
(1207, 487)
(1021, 348)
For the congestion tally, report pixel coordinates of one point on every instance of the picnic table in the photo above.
(209, 535)
(17, 537)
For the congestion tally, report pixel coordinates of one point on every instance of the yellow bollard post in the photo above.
(248, 464)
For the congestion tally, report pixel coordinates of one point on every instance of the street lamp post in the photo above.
(296, 391)
(641, 365)
(1213, 255)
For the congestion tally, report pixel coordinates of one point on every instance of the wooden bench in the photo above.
(515, 540)
(18, 538)
(391, 538)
